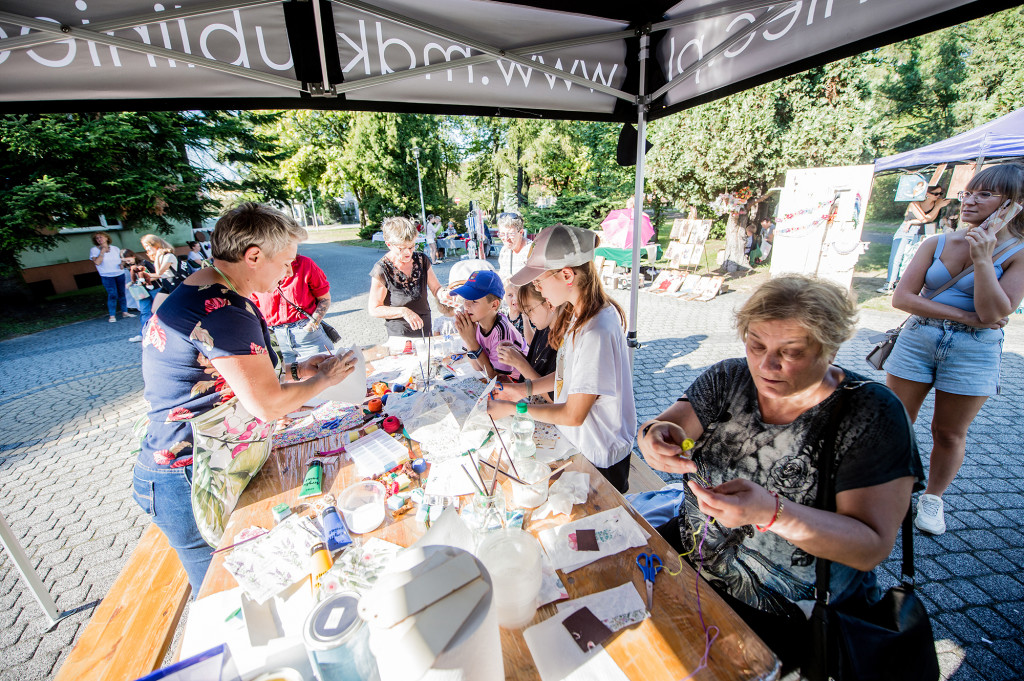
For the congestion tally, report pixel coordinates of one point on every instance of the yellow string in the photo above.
(708, 520)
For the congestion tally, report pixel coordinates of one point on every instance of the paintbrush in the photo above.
(471, 479)
(502, 442)
(239, 543)
(507, 475)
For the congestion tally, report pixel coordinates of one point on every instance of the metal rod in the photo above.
(326, 84)
(638, 193)
(481, 46)
(721, 47)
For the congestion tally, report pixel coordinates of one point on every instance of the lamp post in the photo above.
(423, 211)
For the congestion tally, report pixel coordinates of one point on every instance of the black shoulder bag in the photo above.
(890, 640)
(332, 333)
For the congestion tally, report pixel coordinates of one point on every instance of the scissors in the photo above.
(650, 565)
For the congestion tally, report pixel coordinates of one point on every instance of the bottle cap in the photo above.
(521, 407)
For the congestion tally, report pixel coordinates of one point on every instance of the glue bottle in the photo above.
(523, 426)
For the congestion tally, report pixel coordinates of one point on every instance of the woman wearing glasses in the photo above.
(399, 283)
(514, 245)
(954, 338)
(919, 215)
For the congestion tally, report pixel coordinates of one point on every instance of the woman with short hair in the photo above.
(759, 424)
(399, 283)
(209, 348)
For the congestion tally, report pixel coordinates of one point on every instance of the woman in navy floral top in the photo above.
(209, 348)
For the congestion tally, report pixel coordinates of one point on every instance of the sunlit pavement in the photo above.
(70, 396)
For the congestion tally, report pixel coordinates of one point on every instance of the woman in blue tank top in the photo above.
(953, 342)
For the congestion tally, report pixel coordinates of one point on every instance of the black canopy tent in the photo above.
(604, 60)
(601, 60)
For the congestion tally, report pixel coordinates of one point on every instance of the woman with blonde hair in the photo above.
(761, 425)
(399, 283)
(953, 341)
(592, 382)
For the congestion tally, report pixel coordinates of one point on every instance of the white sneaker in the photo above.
(112, 319)
(135, 339)
(929, 515)
(127, 315)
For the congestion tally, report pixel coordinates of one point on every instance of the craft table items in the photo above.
(614, 529)
(513, 560)
(337, 640)
(432, 616)
(535, 492)
(362, 506)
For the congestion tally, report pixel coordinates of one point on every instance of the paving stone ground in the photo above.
(69, 397)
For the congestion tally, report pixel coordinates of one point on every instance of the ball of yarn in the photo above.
(391, 425)
(375, 405)
(379, 388)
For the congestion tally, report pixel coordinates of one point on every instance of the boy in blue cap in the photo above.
(483, 327)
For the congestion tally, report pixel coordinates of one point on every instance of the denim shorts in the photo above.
(953, 357)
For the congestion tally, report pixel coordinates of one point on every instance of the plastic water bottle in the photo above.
(523, 446)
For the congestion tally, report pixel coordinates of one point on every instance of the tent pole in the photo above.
(638, 192)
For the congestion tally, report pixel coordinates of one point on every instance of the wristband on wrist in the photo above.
(474, 354)
(295, 371)
(643, 431)
(775, 516)
(529, 388)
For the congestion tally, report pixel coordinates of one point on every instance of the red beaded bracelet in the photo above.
(775, 516)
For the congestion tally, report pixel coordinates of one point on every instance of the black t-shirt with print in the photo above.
(874, 444)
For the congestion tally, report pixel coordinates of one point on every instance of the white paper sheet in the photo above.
(275, 561)
(448, 479)
(618, 607)
(353, 389)
(558, 658)
(616, 529)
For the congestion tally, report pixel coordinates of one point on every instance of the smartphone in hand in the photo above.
(1006, 212)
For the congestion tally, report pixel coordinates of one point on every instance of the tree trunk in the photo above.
(735, 237)
(520, 200)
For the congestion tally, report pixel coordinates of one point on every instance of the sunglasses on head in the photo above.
(514, 216)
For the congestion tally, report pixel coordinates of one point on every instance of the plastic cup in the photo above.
(513, 560)
(362, 506)
(535, 493)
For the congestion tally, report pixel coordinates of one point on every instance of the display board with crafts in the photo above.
(685, 250)
(407, 535)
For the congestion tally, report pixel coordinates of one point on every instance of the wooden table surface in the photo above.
(668, 645)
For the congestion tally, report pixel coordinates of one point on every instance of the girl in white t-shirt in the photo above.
(107, 258)
(592, 382)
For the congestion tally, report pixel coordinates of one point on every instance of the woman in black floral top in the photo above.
(399, 283)
(759, 424)
(208, 348)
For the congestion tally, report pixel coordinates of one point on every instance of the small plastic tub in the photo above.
(362, 506)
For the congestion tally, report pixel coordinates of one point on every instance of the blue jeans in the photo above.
(146, 310)
(899, 246)
(115, 293)
(296, 344)
(166, 495)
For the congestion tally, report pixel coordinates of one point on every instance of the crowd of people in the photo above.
(750, 434)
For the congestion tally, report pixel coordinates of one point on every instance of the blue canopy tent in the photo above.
(1001, 139)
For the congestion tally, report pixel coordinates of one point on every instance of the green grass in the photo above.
(58, 310)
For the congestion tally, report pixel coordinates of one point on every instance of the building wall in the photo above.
(67, 267)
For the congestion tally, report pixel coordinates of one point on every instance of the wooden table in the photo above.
(666, 646)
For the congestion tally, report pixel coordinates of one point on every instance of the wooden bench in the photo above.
(131, 630)
(642, 477)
